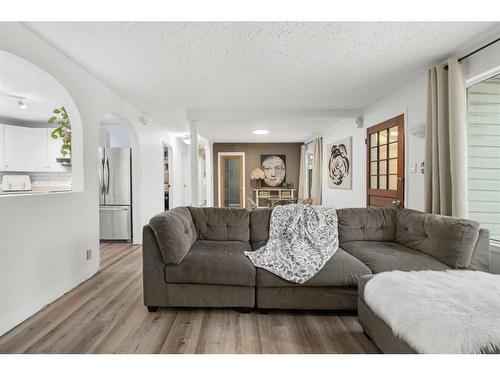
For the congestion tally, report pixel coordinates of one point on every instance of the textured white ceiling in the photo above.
(280, 129)
(339, 65)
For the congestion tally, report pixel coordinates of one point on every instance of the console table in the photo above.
(263, 196)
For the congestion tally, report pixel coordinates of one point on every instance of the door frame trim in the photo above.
(170, 152)
(219, 154)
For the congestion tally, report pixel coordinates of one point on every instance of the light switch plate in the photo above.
(413, 168)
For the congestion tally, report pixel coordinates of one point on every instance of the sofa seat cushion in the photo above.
(214, 262)
(389, 256)
(341, 270)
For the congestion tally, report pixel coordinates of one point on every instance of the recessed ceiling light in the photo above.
(261, 131)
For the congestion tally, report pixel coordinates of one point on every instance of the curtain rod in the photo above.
(476, 51)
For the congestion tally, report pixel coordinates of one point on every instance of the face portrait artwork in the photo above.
(274, 169)
(339, 165)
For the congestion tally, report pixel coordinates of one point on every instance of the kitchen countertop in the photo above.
(38, 190)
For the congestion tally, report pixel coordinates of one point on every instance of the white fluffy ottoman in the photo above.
(455, 311)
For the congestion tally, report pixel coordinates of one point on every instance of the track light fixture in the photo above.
(21, 102)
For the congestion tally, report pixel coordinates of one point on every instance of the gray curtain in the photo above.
(302, 172)
(317, 168)
(446, 141)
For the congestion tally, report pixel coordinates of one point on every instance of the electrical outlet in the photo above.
(88, 254)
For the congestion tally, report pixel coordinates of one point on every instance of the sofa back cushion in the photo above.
(260, 221)
(449, 239)
(221, 224)
(366, 224)
(175, 232)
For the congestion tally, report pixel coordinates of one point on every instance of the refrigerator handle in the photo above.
(101, 175)
(107, 174)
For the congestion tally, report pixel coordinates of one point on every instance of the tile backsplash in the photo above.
(43, 179)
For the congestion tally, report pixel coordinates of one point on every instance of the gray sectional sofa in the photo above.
(193, 257)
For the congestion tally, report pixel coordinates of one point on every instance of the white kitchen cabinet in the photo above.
(25, 149)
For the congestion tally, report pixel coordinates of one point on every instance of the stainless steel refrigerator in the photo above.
(115, 199)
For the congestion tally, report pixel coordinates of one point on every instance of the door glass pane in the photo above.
(373, 168)
(393, 134)
(393, 150)
(382, 137)
(393, 182)
(232, 182)
(383, 167)
(393, 166)
(383, 152)
(373, 182)
(373, 140)
(382, 181)
(373, 154)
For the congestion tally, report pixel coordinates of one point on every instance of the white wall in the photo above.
(117, 136)
(340, 198)
(484, 63)
(410, 100)
(43, 238)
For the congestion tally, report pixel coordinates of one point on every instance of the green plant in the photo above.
(63, 130)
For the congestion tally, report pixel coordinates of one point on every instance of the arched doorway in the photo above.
(40, 131)
(119, 212)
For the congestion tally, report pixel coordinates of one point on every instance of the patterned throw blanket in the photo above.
(301, 240)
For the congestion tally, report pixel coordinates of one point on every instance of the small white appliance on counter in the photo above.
(16, 182)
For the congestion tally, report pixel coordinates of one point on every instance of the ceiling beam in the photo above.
(224, 115)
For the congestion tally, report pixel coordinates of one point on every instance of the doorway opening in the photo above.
(115, 180)
(385, 163)
(231, 179)
(202, 175)
(166, 176)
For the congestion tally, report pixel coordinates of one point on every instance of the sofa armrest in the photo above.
(480, 260)
(175, 234)
(153, 270)
(449, 239)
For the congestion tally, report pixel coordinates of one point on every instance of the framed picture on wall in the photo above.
(274, 167)
(340, 164)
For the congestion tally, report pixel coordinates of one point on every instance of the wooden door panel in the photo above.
(377, 201)
(385, 163)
